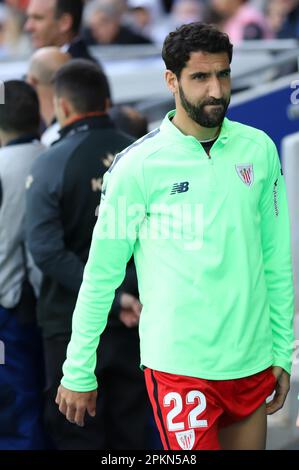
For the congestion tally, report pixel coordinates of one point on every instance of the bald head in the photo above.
(44, 64)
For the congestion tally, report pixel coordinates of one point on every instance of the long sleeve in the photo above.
(45, 232)
(122, 210)
(11, 234)
(275, 228)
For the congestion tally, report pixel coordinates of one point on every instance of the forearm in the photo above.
(278, 265)
(279, 280)
(62, 266)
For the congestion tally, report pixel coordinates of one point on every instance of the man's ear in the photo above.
(108, 104)
(32, 81)
(171, 81)
(65, 107)
(65, 23)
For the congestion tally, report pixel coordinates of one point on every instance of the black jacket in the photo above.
(78, 50)
(61, 213)
(290, 27)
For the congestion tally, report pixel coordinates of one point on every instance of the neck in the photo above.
(188, 127)
(46, 106)
(66, 38)
(6, 137)
(78, 117)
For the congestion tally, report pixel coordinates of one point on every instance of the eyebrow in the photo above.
(35, 16)
(204, 74)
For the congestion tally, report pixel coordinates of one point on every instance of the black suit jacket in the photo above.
(78, 50)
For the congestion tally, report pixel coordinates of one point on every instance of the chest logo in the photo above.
(246, 174)
(180, 188)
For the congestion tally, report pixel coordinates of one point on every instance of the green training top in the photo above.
(211, 242)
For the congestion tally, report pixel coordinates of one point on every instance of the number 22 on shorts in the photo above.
(194, 414)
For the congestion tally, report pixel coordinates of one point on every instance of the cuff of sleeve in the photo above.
(283, 363)
(88, 387)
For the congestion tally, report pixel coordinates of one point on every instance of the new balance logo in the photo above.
(180, 188)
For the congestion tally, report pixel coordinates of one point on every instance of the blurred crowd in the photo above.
(22, 23)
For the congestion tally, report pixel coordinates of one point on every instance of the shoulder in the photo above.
(252, 135)
(134, 155)
(20, 156)
(49, 166)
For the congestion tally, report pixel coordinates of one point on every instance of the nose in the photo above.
(215, 90)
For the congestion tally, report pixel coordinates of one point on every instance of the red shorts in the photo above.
(189, 411)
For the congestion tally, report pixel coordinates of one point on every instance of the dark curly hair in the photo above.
(193, 37)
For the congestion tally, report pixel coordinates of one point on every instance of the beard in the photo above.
(198, 113)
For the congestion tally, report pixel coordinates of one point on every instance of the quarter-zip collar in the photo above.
(189, 140)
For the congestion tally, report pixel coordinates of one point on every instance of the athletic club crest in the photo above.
(186, 439)
(246, 173)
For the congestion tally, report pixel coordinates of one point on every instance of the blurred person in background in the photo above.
(290, 25)
(43, 66)
(21, 377)
(144, 15)
(18, 4)
(13, 41)
(58, 23)
(283, 18)
(3, 22)
(239, 19)
(62, 203)
(275, 15)
(104, 22)
(129, 120)
(186, 11)
(182, 12)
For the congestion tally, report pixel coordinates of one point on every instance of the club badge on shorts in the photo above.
(246, 174)
(186, 439)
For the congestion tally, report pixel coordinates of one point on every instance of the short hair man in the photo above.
(53, 23)
(207, 220)
(61, 213)
(43, 66)
(57, 23)
(20, 376)
(104, 20)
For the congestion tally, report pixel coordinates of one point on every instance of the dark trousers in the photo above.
(21, 384)
(123, 411)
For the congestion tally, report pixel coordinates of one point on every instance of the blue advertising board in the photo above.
(274, 108)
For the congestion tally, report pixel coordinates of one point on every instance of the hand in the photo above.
(74, 404)
(130, 310)
(281, 390)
